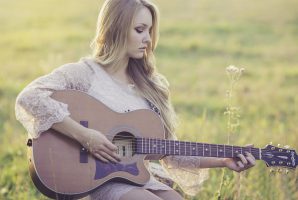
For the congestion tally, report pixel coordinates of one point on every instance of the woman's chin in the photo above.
(138, 56)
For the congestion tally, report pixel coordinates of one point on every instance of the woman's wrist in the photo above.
(82, 136)
(223, 162)
(72, 129)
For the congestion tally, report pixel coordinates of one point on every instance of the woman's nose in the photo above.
(147, 38)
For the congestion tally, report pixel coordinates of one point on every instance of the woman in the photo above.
(121, 74)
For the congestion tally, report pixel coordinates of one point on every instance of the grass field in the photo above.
(198, 40)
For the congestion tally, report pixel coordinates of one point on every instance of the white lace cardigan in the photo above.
(37, 111)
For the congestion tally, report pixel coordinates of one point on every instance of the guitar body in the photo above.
(61, 168)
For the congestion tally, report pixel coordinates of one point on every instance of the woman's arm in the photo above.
(38, 112)
(236, 164)
(205, 162)
(93, 140)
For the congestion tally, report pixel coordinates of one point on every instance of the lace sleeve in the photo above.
(34, 107)
(186, 172)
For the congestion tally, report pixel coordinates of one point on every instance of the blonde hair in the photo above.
(115, 20)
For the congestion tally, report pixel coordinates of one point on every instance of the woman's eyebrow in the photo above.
(145, 25)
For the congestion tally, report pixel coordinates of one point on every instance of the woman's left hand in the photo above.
(241, 163)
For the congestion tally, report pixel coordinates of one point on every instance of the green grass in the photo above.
(198, 40)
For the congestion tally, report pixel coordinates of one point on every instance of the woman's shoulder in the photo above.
(83, 66)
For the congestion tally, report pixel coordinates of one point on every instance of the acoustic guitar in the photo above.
(62, 169)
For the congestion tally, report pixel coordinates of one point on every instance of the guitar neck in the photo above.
(183, 148)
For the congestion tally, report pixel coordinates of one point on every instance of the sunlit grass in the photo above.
(198, 39)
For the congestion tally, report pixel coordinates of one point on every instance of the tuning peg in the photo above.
(287, 147)
(286, 171)
(279, 170)
(278, 145)
(270, 143)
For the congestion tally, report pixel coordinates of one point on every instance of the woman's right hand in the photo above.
(94, 141)
(99, 146)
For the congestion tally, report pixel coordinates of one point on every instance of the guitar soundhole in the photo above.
(125, 143)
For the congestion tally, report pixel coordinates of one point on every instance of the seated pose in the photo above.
(122, 74)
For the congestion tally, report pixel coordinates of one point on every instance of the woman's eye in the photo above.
(139, 30)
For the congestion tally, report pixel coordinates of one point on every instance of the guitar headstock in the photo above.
(279, 157)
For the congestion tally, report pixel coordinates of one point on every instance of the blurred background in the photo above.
(198, 40)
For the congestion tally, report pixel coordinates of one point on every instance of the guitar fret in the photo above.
(152, 146)
(149, 145)
(179, 147)
(195, 149)
(174, 147)
(155, 145)
(173, 143)
(142, 146)
(159, 149)
(169, 147)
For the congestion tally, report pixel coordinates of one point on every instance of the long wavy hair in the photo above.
(115, 21)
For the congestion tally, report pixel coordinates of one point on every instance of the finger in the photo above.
(116, 156)
(98, 156)
(240, 164)
(249, 155)
(111, 153)
(251, 160)
(107, 156)
(243, 159)
(110, 145)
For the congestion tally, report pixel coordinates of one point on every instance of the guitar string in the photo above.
(188, 144)
(172, 143)
(175, 141)
(227, 149)
(132, 146)
(194, 145)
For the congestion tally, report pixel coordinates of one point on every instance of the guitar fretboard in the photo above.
(183, 148)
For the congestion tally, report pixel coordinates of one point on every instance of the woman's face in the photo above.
(139, 36)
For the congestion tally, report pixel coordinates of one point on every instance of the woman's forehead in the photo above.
(143, 17)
